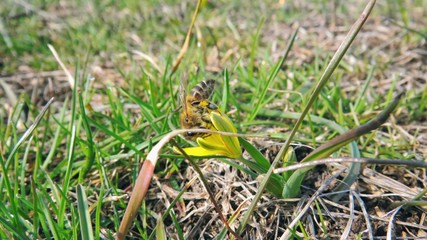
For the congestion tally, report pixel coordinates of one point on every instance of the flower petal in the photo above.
(217, 144)
(201, 152)
(214, 141)
(224, 124)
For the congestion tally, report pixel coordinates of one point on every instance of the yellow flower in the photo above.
(217, 144)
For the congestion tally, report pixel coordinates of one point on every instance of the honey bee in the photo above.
(197, 109)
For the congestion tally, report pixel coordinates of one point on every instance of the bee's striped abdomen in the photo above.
(203, 89)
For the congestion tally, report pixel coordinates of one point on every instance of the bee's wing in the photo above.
(183, 93)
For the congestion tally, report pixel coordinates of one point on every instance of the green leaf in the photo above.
(84, 216)
(292, 186)
(255, 154)
(160, 230)
(261, 166)
(288, 160)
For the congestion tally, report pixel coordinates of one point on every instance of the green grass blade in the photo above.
(160, 230)
(225, 91)
(36, 220)
(47, 215)
(28, 132)
(84, 216)
(98, 210)
(70, 155)
(23, 162)
(254, 48)
(12, 231)
(88, 148)
(11, 195)
(66, 183)
(358, 106)
(56, 140)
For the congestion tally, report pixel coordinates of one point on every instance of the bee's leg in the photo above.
(206, 117)
(195, 135)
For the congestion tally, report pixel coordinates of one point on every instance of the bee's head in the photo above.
(187, 119)
(188, 122)
(184, 119)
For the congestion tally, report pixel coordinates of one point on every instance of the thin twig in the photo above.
(413, 163)
(365, 214)
(390, 226)
(347, 229)
(69, 76)
(187, 39)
